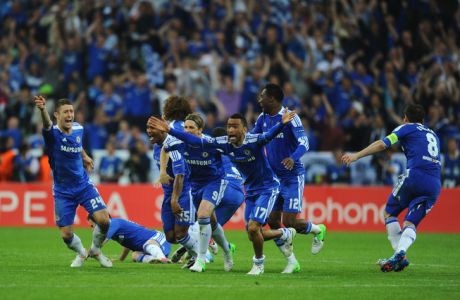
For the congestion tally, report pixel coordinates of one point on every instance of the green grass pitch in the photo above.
(34, 264)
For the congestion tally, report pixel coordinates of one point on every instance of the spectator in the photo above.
(451, 165)
(111, 166)
(138, 164)
(25, 165)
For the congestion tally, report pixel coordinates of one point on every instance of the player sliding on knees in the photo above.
(417, 189)
(148, 246)
(72, 186)
(246, 152)
(284, 153)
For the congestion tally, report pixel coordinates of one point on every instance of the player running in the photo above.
(246, 152)
(71, 184)
(417, 189)
(208, 185)
(177, 211)
(284, 153)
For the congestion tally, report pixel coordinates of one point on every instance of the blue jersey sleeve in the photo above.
(258, 126)
(206, 142)
(178, 163)
(302, 140)
(48, 136)
(397, 134)
(113, 228)
(266, 137)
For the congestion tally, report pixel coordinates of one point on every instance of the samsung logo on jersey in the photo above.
(198, 162)
(71, 149)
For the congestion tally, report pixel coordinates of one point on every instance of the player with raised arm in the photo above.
(246, 151)
(72, 186)
(417, 189)
(148, 246)
(284, 153)
(177, 211)
(208, 185)
(233, 196)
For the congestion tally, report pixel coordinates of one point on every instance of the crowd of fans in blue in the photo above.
(348, 68)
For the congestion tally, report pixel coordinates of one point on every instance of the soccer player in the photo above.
(246, 152)
(72, 186)
(208, 187)
(177, 211)
(416, 190)
(284, 153)
(233, 196)
(148, 246)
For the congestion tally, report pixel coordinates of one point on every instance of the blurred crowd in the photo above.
(347, 67)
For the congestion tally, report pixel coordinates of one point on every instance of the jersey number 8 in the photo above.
(432, 145)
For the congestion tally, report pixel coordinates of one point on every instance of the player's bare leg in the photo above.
(257, 239)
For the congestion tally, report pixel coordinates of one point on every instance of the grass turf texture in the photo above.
(35, 264)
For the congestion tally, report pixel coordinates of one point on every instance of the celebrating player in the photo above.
(416, 190)
(284, 153)
(148, 246)
(177, 211)
(208, 187)
(246, 152)
(72, 186)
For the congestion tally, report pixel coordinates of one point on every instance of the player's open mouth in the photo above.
(69, 121)
(232, 138)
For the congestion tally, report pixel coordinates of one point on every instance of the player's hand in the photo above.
(176, 208)
(348, 158)
(158, 124)
(165, 179)
(40, 102)
(287, 116)
(88, 163)
(288, 163)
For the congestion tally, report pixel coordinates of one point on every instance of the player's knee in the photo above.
(104, 225)
(66, 233)
(253, 229)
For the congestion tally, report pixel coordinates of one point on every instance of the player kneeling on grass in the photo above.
(148, 246)
(71, 184)
(417, 189)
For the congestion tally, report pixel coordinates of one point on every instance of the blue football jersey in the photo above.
(131, 235)
(65, 159)
(249, 158)
(420, 146)
(205, 164)
(176, 164)
(290, 142)
(231, 172)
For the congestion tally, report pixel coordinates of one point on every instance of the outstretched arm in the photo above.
(123, 254)
(40, 103)
(188, 138)
(265, 138)
(375, 147)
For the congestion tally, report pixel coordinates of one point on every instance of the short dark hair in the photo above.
(176, 108)
(415, 113)
(62, 102)
(275, 91)
(219, 131)
(197, 119)
(240, 117)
